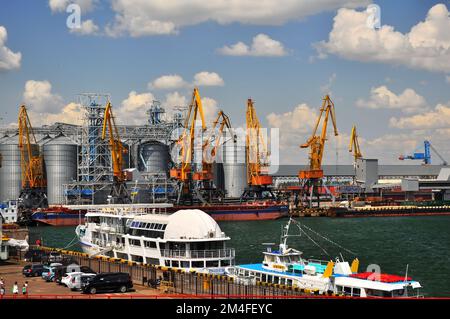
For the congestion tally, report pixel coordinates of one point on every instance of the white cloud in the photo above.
(326, 89)
(132, 110)
(87, 27)
(70, 113)
(210, 109)
(208, 79)
(38, 97)
(426, 46)
(381, 97)
(262, 45)
(8, 59)
(142, 18)
(437, 118)
(166, 82)
(57, 6)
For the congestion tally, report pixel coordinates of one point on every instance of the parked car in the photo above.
(49, 271)
(120, 282)
(35, 255)
(55, 257)
(74, 280)
(33, 270)
(63, 271)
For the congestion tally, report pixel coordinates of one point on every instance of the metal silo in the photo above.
(235, 170)
(11, 171)
(60, 156)
(154, 158)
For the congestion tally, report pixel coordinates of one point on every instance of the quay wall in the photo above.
(179, 281)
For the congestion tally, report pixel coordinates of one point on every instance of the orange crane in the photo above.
(312, 176)
(257, 154)
(119, 192)
(33, 193)
(210, 155)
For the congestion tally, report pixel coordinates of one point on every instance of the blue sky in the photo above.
(75, 63)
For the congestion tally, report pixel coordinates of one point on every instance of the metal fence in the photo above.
(182, 282)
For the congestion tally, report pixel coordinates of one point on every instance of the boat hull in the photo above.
(243, 212)
(58, 219)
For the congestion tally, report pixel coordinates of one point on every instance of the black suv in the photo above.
(33, 270)
(35, 255)
(108, 282)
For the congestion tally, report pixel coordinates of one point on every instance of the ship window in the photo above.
(164, 227)
(224, 263)
(150, 244)
(289, 282)
(198, 264)
(185, 264)
(175, 263)
(147, 226)
(356, 292)
(167, 263)
(276, 280)
(339, 289)
(347, 290)
(264, 277)
(213, 263)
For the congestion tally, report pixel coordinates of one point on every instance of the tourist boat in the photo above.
(287, 266)
(147, 233)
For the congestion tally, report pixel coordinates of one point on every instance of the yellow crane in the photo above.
(256, 151)
(186, 139)
(119, 191)
(354, 145)
(33, 193)
(316, 143)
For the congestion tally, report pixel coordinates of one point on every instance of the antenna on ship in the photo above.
(406, 273)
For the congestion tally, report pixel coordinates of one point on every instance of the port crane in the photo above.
(354, 145)
(33, 193)
(258, 179)
(119, 192)
(185, 174)
(312, 177)
(424, 156)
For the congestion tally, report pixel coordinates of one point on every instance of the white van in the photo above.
(73, 280)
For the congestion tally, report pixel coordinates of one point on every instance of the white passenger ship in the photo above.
(287, 266)
(147, 234)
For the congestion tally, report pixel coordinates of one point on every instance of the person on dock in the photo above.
(2, 287)
(15, 289)
(24, 289)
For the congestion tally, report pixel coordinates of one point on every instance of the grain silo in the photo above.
(154, 158)
(234, 168)
(60, 156)
(11, 171)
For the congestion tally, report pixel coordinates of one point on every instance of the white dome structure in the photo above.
(192, 224)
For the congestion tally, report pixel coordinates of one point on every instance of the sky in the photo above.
(392, 81)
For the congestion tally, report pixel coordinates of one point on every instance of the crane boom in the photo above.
(354, 144)
(317, 143)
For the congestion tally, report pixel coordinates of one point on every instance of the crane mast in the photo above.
(119, 191)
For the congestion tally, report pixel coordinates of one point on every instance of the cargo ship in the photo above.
(390, 211)
(73, 215)
(59, 216)
(243, 212)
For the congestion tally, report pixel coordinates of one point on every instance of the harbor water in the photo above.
(422, 243)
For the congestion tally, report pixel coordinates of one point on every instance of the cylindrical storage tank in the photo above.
(154, 158)
(60, 156)
(11, 171)
(234, 168)
(218, 176)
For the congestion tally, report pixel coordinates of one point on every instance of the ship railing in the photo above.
(318, 261)
(199, 254)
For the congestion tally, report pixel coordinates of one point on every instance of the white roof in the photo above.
(377, 285)
(192, 224)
